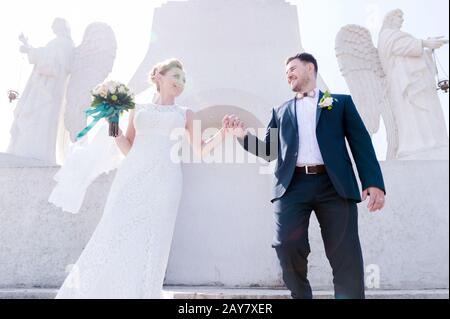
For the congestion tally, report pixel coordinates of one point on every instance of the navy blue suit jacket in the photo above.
(332, 128)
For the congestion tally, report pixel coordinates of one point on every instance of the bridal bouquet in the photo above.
(109, 101)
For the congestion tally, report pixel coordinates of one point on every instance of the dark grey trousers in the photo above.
(338, 219)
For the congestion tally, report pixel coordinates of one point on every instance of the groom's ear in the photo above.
(311, 68)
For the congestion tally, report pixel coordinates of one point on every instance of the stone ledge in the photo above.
(13, 161)
(173, 292)
(39, 241)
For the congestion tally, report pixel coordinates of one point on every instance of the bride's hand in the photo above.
(240, 129)
(120, 133)
(226, 124)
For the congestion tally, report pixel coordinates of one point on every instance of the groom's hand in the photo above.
(376, 201)
(239, 127)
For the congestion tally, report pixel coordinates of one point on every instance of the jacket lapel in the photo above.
(319, 109)
(293, 113)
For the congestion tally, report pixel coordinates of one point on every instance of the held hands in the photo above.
(376, 201)
(232, 125)
(434, 43)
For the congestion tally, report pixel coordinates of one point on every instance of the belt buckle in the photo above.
(307, 171)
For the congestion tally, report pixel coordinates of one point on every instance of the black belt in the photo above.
(311, 170)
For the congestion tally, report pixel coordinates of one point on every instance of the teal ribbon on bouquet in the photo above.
(97, 112)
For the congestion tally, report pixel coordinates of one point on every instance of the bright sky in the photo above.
(320, 20)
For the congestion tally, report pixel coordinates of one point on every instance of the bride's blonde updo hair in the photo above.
(163, 67)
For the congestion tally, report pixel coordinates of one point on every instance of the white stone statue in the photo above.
(58, 90)
(395, 82)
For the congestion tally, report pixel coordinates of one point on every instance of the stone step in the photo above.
(261, 293)
(172, 292)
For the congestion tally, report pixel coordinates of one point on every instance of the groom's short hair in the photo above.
(305, 57)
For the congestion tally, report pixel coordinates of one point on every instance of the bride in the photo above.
(128, 252)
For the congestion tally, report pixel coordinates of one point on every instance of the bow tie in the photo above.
(311, 94)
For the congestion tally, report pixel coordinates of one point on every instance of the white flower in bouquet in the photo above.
(103, 92)
(111, 86)
(100, 90)
(96, 90)
(122, 89)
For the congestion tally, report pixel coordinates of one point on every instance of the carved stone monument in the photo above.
(396, 82)
(58, 90)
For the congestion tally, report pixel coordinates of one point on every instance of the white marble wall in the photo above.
(225, 239)
(227, 48)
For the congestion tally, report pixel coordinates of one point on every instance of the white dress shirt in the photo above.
(309, 152)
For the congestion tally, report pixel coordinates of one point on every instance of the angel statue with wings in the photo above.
(51, 108)
(395, 83)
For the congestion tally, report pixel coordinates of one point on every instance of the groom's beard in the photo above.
(301, 85)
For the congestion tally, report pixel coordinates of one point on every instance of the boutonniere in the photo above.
(326, 102)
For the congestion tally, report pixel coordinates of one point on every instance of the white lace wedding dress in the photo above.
(128, 252)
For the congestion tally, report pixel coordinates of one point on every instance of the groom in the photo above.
(314, 173)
